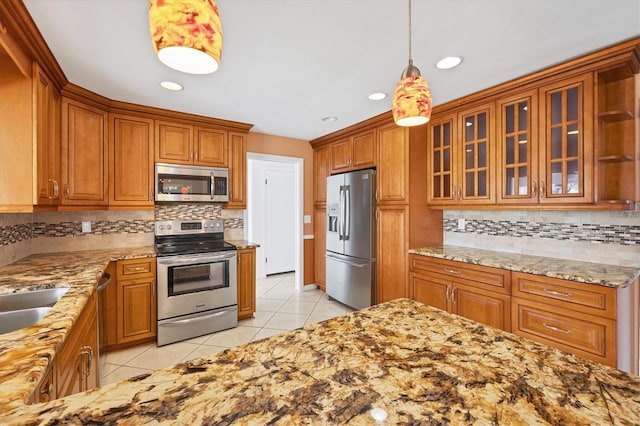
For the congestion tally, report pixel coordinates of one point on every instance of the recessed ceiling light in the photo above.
(378, 96)
(170, 85)
(449, 62)
(330, 119)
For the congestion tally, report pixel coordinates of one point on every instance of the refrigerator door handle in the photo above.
(340, 213)
(347, 213)
(358, 265)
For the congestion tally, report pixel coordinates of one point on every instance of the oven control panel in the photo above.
(185, 227)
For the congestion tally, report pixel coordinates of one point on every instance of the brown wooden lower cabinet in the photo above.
(246, 283)
(46, 389)
(130, 308)
(589, 320)
(320, 241)
(76, 364)
(135, 301)
(582, 334)
(476, 292)
(469, 300)
(575, 317)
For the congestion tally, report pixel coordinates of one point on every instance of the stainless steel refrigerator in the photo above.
(351, 238)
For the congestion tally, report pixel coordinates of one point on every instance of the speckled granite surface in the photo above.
(243, 244)
(419, 364)
(26, 353)
(585, 272)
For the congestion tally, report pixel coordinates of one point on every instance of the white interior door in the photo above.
(279, 198)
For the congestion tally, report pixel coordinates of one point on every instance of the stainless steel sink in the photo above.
(31, 299)
(15, 320)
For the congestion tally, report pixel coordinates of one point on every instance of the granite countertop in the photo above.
(243, 244)
(419, 364)
(25, 354)
(585, 272)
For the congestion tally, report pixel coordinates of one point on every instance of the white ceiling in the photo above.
(288, 63)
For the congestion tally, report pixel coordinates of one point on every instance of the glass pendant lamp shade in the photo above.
(187, 34)
(411, 105)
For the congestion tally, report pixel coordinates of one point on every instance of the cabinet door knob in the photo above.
(542, 190)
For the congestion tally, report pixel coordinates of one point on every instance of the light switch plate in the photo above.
(86, 226)
(461, 224)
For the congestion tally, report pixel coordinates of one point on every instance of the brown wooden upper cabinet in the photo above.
(442, 137)
(546, 148)
(237, 171)
(393, 165)
(84, 154)
(321, 169)
(178, 143)
(566, 141)
(518, 148)
(130, 160)
(210, 147)
(354, 153)
(461, 157)
(46, 125)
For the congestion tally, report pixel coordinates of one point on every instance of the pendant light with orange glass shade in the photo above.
(411, 105)
(187, 34)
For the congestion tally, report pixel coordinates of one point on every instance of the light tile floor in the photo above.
(279, 308)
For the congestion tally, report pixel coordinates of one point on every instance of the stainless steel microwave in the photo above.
(175, 182)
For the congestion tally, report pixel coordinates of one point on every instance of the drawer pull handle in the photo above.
(452, 271)
(559, 330)
(557, 293)
(137, 269)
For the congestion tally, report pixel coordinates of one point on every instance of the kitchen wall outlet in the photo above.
(306, 218)
(461, 224)
(86, 226)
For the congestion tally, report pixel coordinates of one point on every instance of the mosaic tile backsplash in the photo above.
(611, 237)
(589, 232)
(11, 234)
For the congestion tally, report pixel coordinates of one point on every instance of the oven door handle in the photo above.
(177, 323)
(199, 258)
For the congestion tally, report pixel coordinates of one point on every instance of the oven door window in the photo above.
(181, 184)
(198, 277)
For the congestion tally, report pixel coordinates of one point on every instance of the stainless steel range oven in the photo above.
(197, 279)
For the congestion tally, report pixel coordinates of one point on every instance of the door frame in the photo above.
(298, 169)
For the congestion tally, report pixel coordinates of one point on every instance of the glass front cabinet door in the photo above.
(442, 137)
(518, 149)
(475, 177)
(566, 141)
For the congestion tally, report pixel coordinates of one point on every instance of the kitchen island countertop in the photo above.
(585, 272)
(417, 363)
(25, 354)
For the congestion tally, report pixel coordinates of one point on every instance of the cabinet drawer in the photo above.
(493, 279)
(581, 334)
(587, 298)
(136, 268)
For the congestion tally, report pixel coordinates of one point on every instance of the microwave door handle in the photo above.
(212, 181)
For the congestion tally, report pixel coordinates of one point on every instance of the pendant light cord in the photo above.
(410, 59)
